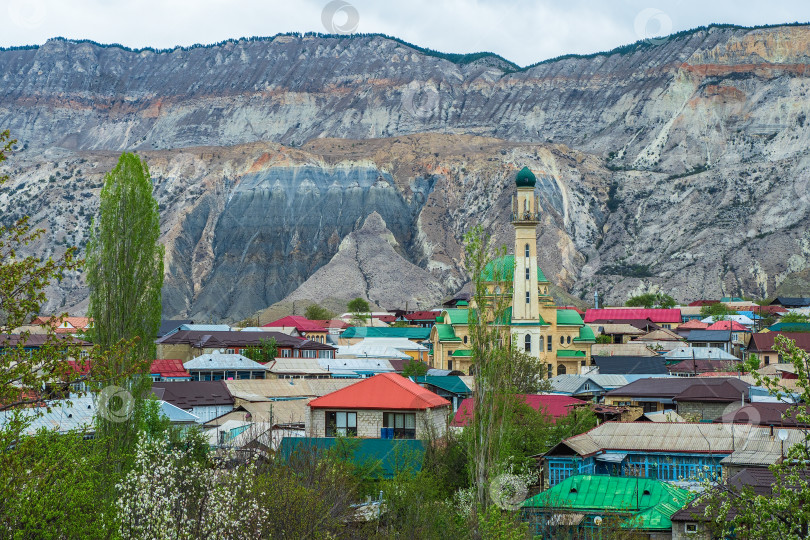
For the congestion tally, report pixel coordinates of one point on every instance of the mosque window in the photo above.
(548, 343)
(528, 297)
(527, 250)
(528, 273)
(568, 339)
(562, 340)
(527, 343)
(561, 369)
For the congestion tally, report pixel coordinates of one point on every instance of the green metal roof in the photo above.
(651, 503)
(384, 457)
(569, 316)
(462, 303)
(439, 319)
(450, 383)
(525, 178)
(503, 269)
(457, 316)
(790, 327)
(446, 332)
(412, 333)
(585, 334)
(462, 353)
(571, 354)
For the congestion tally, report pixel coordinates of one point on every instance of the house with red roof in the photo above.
(169, 369)
(386, 406)
(553, 405)
(692, 324)
(303, 327)
(422, 319)
(763, 344)
(665, 318)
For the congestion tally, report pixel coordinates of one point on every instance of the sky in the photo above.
(522, 31)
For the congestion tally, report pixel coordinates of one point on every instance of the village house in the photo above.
(386, 406)
(598, 506)
(557, 336)
(763, 344)
(219, 367)
(205, 400)
(355, 334)
(188, 344)
(719, 339)
(669, 319)
(673, 452)
(168, 369)
(698, 398)
(303, 327)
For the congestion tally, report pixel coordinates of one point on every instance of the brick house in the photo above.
(384, 406)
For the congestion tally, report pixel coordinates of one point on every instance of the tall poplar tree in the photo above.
(125, 276)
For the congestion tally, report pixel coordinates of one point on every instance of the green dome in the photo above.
(525, 178)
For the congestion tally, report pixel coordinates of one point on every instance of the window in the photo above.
(562, 340)
(690, 528)
(527, 343)
(341, 423)
(528, 297)
(548, 343)
(667, 326)
(464, 339)
(527, 251)
(450, 365)
(528, 273)
(550, 370)
(404, 424)
(649, 406)
(568, 340)
(767, 359)
(286, 353)
(561, 369)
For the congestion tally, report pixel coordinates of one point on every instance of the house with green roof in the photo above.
(557, 336)
(597, 506)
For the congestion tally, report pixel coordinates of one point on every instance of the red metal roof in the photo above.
(332, 323)
(169, 367)
(581, 313)
(619, 314)
(302, 324)
(385, 318)
(422, 315)
(724, 325)
(384, 391)
(81, 367)
(694, 324)
(701, 303)
(553, 405)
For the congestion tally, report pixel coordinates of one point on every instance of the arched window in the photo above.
(548, 343)
(527, 251)
(568, 339)
(561, 369)
(562, 340)
(528, 273)
(528, 297)
(527, 343)
(465, 340)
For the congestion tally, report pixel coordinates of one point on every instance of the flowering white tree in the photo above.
(170, 495)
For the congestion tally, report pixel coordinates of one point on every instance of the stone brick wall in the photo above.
(369, 422)
(697, 410)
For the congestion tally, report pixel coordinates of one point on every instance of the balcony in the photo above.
(526, 217)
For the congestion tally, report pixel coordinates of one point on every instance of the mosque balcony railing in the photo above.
(525, 217)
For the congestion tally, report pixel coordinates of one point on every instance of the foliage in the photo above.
(719, 311)
(416, 507)
(315, 312)
(414, 368)
(527, 373)
(125, 277)
(49, 484)
(604, 338)
(793, 317)
(651, 300)
(785, 513)
(359, 308)
(265, 352)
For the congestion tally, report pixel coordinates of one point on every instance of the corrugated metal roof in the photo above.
(224, 362)
(744, 440)
(339, 366)
(305, 366)
(384, 391)
(699, 353)
(618, 314)
(263, 389)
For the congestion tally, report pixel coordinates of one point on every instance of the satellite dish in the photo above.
(597, 520)
(782, 434)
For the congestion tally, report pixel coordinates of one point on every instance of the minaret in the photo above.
(525, 218)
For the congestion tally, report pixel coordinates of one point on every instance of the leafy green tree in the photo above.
(651, 300)
(314, 312)
(359, 308)
(719, 311)
(785, 512)
(414, 368)
(125, 277)
(604, 339)
(793, 317)
(265, 352)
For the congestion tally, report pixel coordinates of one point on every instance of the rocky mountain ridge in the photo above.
(680, 165)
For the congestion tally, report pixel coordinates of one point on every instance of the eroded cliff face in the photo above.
(703, 137)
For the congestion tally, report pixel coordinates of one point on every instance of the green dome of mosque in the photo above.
(525, 178)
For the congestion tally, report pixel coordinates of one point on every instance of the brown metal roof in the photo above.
(235, 338)
(764, 341)
(669, 388)
(188, 394)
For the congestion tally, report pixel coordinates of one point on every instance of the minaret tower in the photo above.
(525, 218)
